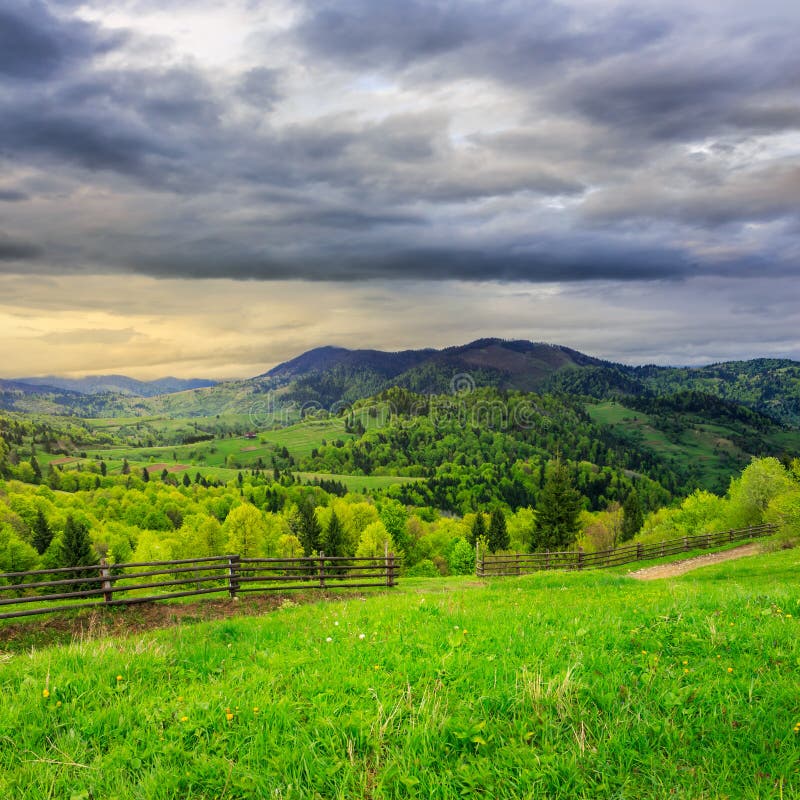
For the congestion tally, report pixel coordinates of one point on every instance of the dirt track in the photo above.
(680, 567)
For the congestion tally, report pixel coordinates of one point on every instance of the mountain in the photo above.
(330, 377)
(118, 384)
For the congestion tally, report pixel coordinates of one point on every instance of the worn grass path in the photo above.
(676, 568)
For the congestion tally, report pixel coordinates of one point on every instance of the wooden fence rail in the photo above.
(526, 563)
(107, 584)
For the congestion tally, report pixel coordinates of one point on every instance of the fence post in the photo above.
(547, 559)
(662, 548)
(390, 570)
(730, 535)
(233, 575)
(685, 543)
(321, 569)
(477, 559)
(580, 557)
(105, 575)
(516, 557)
(708, 540)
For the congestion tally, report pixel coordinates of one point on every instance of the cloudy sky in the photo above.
(207, 188)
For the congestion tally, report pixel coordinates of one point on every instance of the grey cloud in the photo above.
(509, 141)
(260, 87)
(12, 196)
(36, 44)
(17, 250)
(503, 39)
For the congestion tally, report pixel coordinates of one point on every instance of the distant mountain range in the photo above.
(330, 376)
(117, 384)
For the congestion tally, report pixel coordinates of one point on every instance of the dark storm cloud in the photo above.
(507, 39)
(12, 196)
(408, 140)
(36, 44)
(16, 250)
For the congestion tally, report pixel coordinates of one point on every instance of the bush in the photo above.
(424, 569)
(462, 558)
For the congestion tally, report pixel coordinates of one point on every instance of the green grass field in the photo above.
(555, 685)
(299, 439)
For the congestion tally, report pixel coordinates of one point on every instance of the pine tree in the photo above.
(103, 468)
(76, 551)
(478, 529)
(334, 537)
(633, 518)
(309, 529)
(126, 467)
(37, 470)
(498, 532)
(557, 511)
(42, 534)
(145, 474)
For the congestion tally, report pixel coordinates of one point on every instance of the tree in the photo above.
(334, 542)
(478, 530)
(246, 531)
(76, 549)
(632, 516)
(126, 467)
(334, 537)
(309, 529)
(103, 468)
(462, 558)
(37, 470)
(42, 533)
(498, 532)
(557, 513)
(145, 474)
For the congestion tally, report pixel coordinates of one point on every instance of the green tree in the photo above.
(498, 531)
(42, 533)
(334, 537)
(309, 529)
(145, 474)
(126, 467)
(478, 529)
(632, 516)
(558, 510)
(75, 549)
(462, 558)
(246, 531)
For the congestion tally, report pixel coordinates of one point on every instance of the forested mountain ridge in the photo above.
(333, 377)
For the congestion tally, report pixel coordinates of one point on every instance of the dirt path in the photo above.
(680, 567)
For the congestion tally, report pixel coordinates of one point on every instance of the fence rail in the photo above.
(526, 563)
(107, 584)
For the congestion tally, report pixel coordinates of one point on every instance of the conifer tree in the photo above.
(478, 529)
(42, 534)
(309, 529)
(334, 537)
(76, 550)
(557, 511)
(498, 532)
(633, 518)
(145, 474)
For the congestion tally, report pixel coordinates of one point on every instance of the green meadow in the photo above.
(555, 685)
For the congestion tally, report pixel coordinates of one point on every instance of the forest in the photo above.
(498, 471)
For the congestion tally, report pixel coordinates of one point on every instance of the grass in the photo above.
(557, 685)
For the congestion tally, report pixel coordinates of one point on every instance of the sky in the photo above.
(209, 188)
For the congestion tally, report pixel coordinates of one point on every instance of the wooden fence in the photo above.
(525, 563)
(44, 591)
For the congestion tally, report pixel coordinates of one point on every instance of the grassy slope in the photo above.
(557, 685)
(707, 446)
